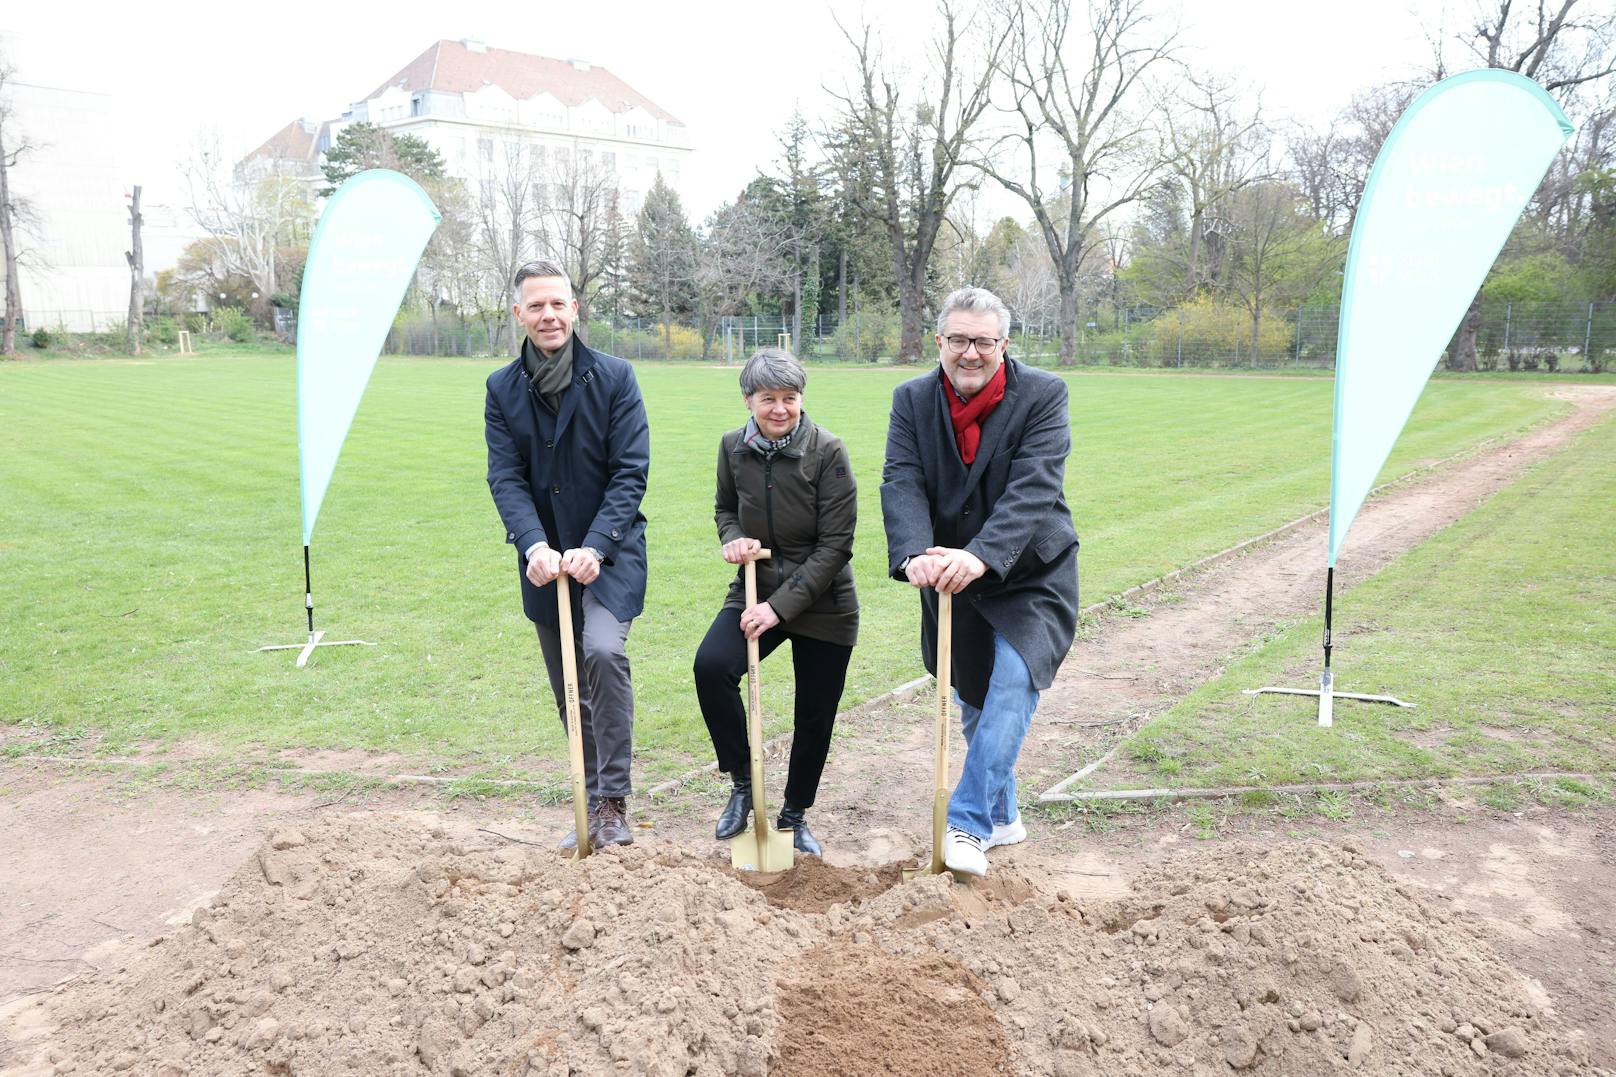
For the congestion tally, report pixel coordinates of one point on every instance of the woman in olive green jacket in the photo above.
(786, 485)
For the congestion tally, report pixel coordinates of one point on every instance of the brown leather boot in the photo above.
(610, 823)
(570, 842)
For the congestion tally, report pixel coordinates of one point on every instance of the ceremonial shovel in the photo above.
(575, 725)
(939, 793)
(762, 848)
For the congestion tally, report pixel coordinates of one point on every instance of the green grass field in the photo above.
(1500, 629)
(149, 541)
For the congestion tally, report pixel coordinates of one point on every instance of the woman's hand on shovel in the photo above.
(739, 551)
(758, 619)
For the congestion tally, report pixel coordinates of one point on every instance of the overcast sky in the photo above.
(732, 70)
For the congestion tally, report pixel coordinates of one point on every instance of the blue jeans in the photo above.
(986, 793)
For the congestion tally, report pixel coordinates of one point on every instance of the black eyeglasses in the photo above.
(984, 345)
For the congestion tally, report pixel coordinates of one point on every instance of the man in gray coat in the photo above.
(973, 499)
(569, 452)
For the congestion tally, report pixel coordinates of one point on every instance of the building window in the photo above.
(485, 149)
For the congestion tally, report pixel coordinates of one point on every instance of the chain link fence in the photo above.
(1566, 337)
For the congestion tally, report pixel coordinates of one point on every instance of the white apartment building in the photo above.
(76, 185)
(476, 104)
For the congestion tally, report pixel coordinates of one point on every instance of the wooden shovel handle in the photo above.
(575, 733)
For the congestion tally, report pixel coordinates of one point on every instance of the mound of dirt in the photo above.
(377, 946)
(811, 885)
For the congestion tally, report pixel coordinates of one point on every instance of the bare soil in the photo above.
(286, 940)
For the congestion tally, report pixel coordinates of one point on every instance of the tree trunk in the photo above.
(911, 314)
(1068, 322)
(134, 330)
(841, 289)
(796, 314)
(1464, 345)
(8, 240)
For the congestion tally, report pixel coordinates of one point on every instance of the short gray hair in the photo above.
(539, 268)
(974, 301)
(773, 368)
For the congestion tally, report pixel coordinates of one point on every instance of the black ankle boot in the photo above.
(802, 839)
(732, 820)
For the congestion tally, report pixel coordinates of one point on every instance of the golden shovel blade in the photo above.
(776, 853)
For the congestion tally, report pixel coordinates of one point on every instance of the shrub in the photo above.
(163, 331)
(1210, 332)
(685, 340)
(867, 337)
(41, 337)
(234, 324)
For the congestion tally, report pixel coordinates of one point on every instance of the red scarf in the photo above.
(969, 415)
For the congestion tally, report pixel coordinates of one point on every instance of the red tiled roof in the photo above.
(294, 142)
(453, 68)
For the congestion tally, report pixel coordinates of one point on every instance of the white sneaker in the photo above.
(1011, 833)
(962, 852)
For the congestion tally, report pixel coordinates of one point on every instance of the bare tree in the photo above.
(1033, 293)
(743, 249)
(14, 145)
(451, 276)
(961, 242)
(581, 225)
(900, 156)
(1277, 252)
(1566, 202)
(136, 258)
(1562, 51)
(1214, 149)
(248, 216)
(508, 209)
(1069, 87)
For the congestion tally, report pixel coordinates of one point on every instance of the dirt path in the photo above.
(88, 871)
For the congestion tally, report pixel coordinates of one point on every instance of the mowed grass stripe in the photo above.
(1498, 628)
(151, 540)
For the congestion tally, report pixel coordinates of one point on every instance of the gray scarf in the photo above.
(550, 376)
(754, 439)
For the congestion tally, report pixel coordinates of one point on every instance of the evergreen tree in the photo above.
(662, 260)
(362, 146)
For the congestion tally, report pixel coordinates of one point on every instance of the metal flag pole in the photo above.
(1326, 690)
(316, 639)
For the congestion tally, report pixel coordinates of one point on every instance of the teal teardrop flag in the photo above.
(1446, 189)
(361, 258)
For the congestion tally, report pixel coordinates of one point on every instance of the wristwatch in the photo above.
(595, 553)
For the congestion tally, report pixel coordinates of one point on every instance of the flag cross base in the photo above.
(316, 639)
(1327, 697)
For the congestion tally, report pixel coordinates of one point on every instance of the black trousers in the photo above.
(821, 670)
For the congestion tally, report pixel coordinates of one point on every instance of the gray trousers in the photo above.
(605, 695)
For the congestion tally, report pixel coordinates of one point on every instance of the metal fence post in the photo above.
(1509, 311)
(1180, 337)
(1299, 336)
(1588, 339)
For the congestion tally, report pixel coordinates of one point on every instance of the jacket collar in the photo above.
(799, 440)
(584, 377)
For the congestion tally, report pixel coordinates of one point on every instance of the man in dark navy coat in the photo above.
(973, 498)
(569, 450)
